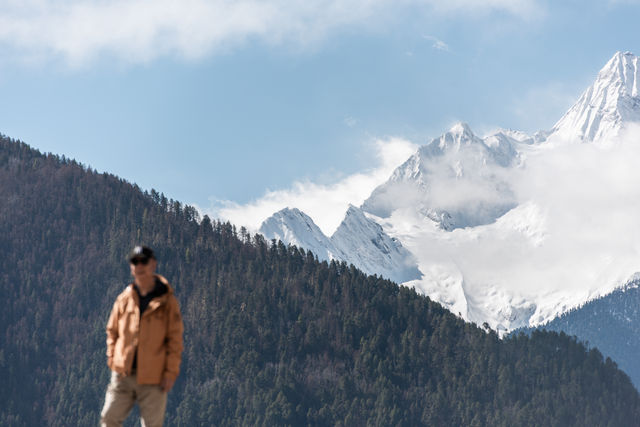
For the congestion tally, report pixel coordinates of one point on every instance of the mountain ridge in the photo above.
(604, 107)
(459, 186)
(358, 240)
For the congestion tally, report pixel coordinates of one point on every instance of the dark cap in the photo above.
(141, 252)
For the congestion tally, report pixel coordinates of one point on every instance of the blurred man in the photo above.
(144, 344)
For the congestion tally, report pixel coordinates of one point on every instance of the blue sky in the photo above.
(225, 104)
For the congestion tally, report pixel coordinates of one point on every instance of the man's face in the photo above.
(142, 268)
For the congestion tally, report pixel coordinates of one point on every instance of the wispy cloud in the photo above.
(138, 31)
(350, 121)
(326, 204)
(437, 43)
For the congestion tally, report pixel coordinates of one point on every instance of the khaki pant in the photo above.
(123, 392)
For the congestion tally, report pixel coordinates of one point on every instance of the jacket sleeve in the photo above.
(112, 332)
(174, 347)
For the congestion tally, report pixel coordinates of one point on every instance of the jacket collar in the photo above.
(156, 302)
(166, 283)
(159, 277)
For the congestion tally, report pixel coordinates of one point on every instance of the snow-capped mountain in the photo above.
(487, 223)
(491, 228)
(457, 161)
(366, 245)
(612, 101)
(358, 240)
(294, 227)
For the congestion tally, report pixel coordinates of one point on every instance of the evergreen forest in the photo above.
(273, 337)
(593, 322)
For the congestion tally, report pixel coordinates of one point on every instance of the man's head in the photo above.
(143, 264)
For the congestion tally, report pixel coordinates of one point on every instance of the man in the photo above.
(144, 344)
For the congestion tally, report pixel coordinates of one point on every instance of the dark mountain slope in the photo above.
(273, 337)
(610, 323)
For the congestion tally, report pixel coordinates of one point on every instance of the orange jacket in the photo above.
(157, 336)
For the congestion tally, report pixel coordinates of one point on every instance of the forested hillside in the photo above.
(593, 322)
(272, 336)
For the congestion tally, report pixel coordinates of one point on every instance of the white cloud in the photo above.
(326, 204)
(135, 31)
(574, 236)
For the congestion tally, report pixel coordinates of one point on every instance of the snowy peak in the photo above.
(356, 221)
(515, 135)
(455, 181)
(367, 246)
(459, 145)
(459, 136)
(460, 140)
(502, 147)
(358, 240)
(354, 216)
(294, 227)
(607, 105)
(621, 72)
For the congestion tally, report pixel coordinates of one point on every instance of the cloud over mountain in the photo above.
(514, 229)
(325, 203)
(573, 236)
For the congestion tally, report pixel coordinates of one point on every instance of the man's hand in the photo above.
(166, 384)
